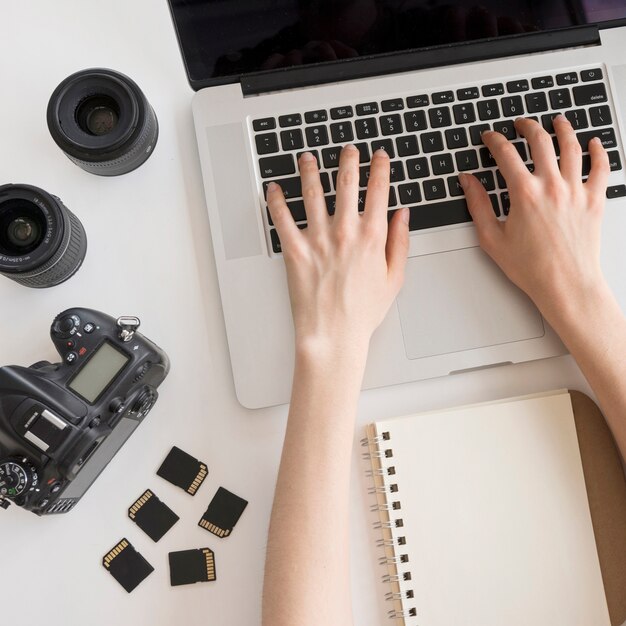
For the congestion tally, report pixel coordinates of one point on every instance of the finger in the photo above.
(377, 197)
(600, 168)
(571, 163)
(397, 249)
(286, 228)
(346, 206)
(488, 228)
(508, 159)
(541, 146)
(312, 191)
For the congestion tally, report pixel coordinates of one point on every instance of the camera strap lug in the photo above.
(128, 326)
(4, 503)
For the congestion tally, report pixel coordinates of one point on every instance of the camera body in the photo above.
(61, 424)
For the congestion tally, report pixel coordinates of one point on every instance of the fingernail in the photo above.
(559, 118)
(349, 146)
(307, 156)
(381, 152)
(406, 214)
(272, 187)
(463, 180)
(596, 140)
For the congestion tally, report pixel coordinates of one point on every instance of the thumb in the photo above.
(398, 247)
(488, 228)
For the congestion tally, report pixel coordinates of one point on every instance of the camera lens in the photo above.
(103, 122)
(42, 243)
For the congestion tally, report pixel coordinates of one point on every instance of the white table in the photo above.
(150, 255)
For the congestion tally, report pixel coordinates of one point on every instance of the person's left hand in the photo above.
(344, 271)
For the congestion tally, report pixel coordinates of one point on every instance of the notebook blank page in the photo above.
(495, 516)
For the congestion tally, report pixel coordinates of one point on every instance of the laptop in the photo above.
(420, 79)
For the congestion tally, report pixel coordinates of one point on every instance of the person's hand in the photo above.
(550, 244)
(343, 271)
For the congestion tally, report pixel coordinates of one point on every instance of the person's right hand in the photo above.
(550, 244)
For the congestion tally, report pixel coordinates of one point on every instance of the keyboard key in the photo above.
(392, 197)
(456, 138)
(316, 136)
(486, 158)
(501, 182)
(295, 119)
(454, 186)
(464, 113)
(315, 117)
(593, 93)
(275, 241)
(506, 128)
(368, 108)
(442, 164)
(494, 203)
(614, 161)
(432, 142)
(488, 110)
(266, 123)
(392, 105)
(542, 82)
(341, 132)
(468, 93)
(417, 168)
(364, 176)
(567, 79)
(512, 106)
(407, 145)
(292, 187)
(616, 191)
(366, 128)
(536, 102)
(414, 102)
(434, 189)
(296, 208)
(557, 147)
(330, 156)
(439, 214)
(391, 124)
(607, 135)
(266, 143)
(560, 98)
(466, 160)
(340, 113)
(506, 202)
(588, 75)
(364, 152)
(409, 193)
(578, 118)
(495, 89)
(396, 172)
(586, 167)
(475, 133)
(600, 116)
(515, 86)
(384, 144)
(520, 146)
(292, 139)
(439, 117)
(546, 122)
(415, 121)
(279, 165)
(486, 179)
(441, 97)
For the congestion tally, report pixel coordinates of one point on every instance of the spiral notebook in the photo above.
(484, 517)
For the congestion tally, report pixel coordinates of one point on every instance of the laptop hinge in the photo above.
(526, 43)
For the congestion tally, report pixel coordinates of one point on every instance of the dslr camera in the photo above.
(61, 424)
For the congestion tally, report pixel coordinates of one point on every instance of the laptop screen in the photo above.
(224, 39)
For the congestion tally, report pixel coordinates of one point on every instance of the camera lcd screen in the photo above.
(222, 40)
(98, 373)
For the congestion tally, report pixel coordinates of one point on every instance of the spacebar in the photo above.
(433, 214)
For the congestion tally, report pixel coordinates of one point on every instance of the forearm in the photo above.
(593, 328)
(307, 577)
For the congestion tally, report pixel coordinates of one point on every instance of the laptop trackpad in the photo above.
(460, 300)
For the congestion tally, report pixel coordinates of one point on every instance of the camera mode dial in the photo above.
(17, 477)
(65, 326)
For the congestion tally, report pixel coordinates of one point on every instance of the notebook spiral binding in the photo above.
(390, 522)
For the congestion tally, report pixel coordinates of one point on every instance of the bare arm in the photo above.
(343, 273)
(550, 248)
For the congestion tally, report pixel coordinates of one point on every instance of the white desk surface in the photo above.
(150, 255)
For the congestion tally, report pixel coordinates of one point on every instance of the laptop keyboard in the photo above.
(430, 138)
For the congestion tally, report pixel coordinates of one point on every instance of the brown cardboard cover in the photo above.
(606, 488)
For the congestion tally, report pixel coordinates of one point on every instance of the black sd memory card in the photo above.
(183, 470)
(152, 516)
(192, 566)
(126, 565)
(223, 513)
